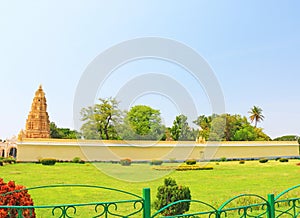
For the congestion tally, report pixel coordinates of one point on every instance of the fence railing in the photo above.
(284, 205)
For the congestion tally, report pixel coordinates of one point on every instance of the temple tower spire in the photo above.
(37, 123)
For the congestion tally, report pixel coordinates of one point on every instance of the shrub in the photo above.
(82, 162)
(242, 162)
(9, 160)
(12, 194)
(1, 162)
(172, 160)
(156, 162)
(171, 192)
(263, 160)
(76, 160)
(223, 159)
(125, 162)
(48, 161)
(191, 162)
(193, 167)
(284, 160)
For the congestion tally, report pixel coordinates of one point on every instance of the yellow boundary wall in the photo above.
(96, 150)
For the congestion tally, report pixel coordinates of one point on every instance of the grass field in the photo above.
(226, 180)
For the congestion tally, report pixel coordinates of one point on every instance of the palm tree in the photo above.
(256, 115)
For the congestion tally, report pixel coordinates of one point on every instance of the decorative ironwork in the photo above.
(211, 211)
(288, 207)
(281, 206)
(101, 209)
(258, 208)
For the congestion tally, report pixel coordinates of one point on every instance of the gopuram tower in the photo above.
(37, 123)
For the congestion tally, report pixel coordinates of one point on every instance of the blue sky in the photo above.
(252, 46)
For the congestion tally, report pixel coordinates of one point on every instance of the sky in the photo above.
(251, 46)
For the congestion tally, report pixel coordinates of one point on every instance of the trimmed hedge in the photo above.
(263, 160)
(125, 162)
(76, 160)
(183, 168)
(48, 161)
(191, 162)
(193, 167)
(156, 162)
(284, 160)
(7, 160)
(242, 162)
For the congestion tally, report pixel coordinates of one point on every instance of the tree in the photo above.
(54, 131)
(62, 133)
(101, 120)
(204, 123)
(247, 133)
(142, 123)
(217, 131)
(256, 115)
(227, 127)
(181, 131)
(287, 138)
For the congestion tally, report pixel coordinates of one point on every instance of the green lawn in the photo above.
(226, 180)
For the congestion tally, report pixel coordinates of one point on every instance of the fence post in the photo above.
(271, 207)
(147, 202)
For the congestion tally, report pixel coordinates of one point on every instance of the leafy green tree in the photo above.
(217, 131)
(180, 131)
(256, 115)
(142, 123)
(204, 123)
(101, 120)
(261, 136)
(54, 131)
(247, 133)
(62, 133)
(287, 138)
(227, 127)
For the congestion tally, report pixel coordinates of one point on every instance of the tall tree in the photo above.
(256, 115)
(181, 131)
(143, 123)
(63, 133)
(101, 119)
(227, 127)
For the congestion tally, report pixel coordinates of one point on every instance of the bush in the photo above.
(9, 160)
(263, 160)
(193, 167)
(1, 162)
(242, 162)
(284, 160)
(171, 192)
(76, 160)
(48, 161)
(125, 162)
(223, 159)
(172, 160)
(191, 162)
(156, 162)
(12, 194)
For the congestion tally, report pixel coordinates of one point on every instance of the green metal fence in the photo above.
(284, 205)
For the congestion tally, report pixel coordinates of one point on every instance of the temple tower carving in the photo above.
(37, 123)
